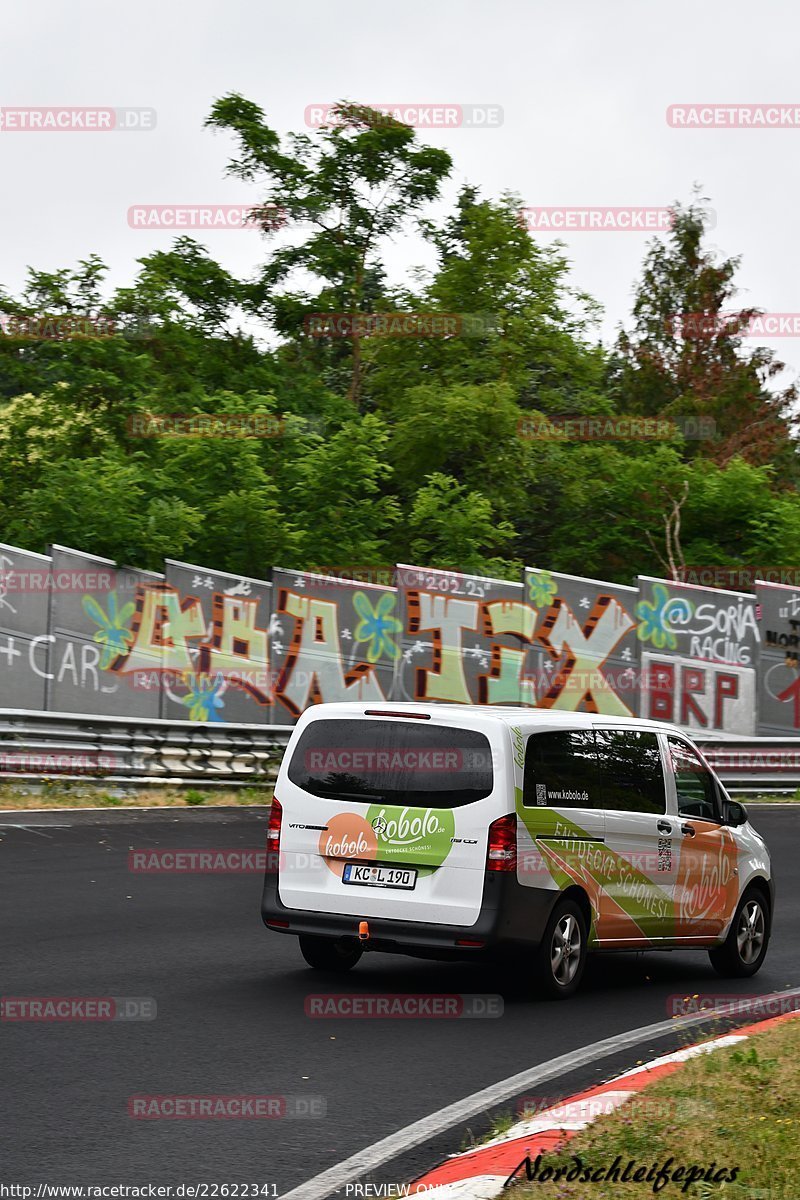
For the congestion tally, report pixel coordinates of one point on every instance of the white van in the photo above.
(449, 831)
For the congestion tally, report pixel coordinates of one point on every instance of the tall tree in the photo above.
(353, 184)
(685, 356)
(518, 321)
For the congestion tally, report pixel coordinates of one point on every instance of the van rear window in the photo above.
(398, 762)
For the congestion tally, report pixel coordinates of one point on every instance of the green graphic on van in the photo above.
(420, 835)
(625, 901)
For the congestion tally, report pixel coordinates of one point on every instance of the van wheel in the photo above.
(745, 947)
(561, 956)
(329, 954)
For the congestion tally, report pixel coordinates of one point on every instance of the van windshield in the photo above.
(398, 762)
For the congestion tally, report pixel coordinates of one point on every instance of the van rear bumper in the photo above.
(511, 916)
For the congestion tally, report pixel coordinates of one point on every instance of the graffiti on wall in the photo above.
(332, 639)
(213, 629)
(554, 641)
(699, 652)
(91, 606)
(778, 612)
(197, 643)
(588, 632)
(24, 601)
(80, 634)
(466, 639)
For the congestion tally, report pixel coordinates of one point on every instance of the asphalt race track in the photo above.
(231, 1019)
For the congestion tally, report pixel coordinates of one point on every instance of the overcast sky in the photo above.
(584, 87)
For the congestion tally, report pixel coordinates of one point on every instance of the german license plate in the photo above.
(386, 877)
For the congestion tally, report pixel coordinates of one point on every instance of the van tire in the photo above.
(745, 947)
(566, 926)
(329, 954)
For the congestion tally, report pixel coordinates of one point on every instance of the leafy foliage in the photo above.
(414, 448)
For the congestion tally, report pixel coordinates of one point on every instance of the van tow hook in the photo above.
(363, 931)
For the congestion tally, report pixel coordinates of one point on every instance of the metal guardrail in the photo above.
(768, 763)
(36, 745)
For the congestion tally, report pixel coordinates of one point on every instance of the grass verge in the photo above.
(735, 1108)
(55, 795)
(767, 797)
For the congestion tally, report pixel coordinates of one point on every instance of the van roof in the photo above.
(528, 718)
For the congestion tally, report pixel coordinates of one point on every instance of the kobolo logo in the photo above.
(346, 836)
(422, 832)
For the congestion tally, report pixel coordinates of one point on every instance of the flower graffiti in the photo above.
(541, 588)
(377, 625)
(654, 623)
(203, 698)
(113, 633)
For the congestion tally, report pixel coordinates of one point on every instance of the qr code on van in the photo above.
(664, 854)
(541, 793)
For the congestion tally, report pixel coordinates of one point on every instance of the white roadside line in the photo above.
(372, 1157)
(35, 828)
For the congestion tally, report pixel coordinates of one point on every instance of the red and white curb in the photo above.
(480, 1173)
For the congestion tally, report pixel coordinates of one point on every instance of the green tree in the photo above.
(339, 499)
(685, 356)
(354, 184)
(523, 325)
(454, 528)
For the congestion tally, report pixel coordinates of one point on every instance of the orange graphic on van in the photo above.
(347, 836)
(707, 888)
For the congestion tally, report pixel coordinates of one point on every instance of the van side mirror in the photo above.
(734, 813)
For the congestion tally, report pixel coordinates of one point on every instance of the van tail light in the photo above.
(501, 853)
(274, 836)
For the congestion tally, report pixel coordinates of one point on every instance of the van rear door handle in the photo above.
(688, 829)
(664, 827)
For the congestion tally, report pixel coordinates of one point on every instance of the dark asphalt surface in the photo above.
(230, 995)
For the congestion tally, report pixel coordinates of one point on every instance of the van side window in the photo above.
(697, 793)
(631, 770)
(561, 770)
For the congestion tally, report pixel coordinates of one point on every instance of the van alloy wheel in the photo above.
(560, 957)
(745, 947)
(565, 953)
(750, 932)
